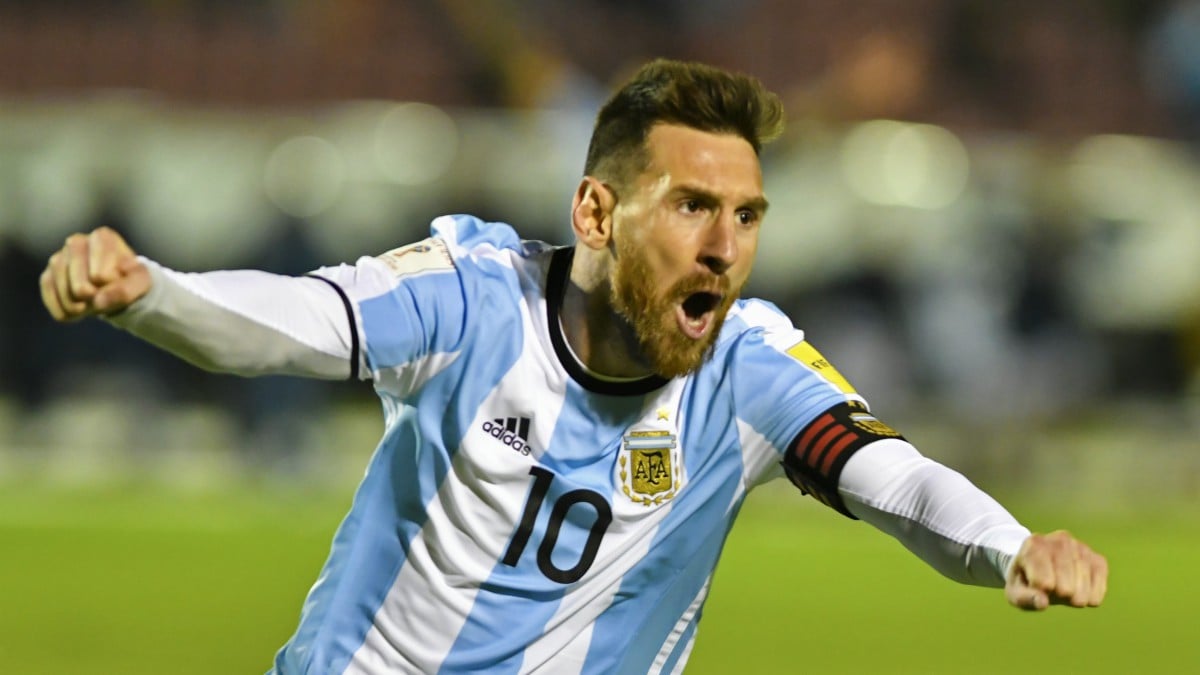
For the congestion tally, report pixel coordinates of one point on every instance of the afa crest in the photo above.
(648, 467)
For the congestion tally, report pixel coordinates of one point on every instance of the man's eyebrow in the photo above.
(759, 204)
(694, 192)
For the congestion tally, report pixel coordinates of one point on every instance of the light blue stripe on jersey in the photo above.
(333, 624)
(514, 605)
(398, 330)
(469, 231)
(658, 590)
(764, 378)
(411, 462)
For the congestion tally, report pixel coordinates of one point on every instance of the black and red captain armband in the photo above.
(815, 458)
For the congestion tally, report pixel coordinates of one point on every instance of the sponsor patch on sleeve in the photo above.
(815, 458)
(424, 256)
(809, 356)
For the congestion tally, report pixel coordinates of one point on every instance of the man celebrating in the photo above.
(570, 432)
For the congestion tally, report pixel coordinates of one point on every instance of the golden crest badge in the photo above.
(870, 424)
(647, 466)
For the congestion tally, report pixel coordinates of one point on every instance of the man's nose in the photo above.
(720, 246)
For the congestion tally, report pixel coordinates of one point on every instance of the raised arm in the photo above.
(849, 460)
(241, 322)
(964, 533)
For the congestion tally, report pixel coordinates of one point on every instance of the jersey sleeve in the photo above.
(242, 322)
(384, 314)
(811, 419)
(410, 305)
(400, 305)
(819, 432)
(934, 511)
(814, 460)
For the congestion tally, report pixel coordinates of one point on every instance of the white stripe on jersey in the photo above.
(433, 594)
(680, 628)
(468, 525)
(759, 465)
(400, 381)
(687, 654)
(757, 312)
(569, 631)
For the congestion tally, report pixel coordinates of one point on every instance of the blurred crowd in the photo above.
(1063, 67)
(1030, 289)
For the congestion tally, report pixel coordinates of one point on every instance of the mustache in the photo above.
(701, 283)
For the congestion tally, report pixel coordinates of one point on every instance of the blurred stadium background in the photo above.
(987, 214)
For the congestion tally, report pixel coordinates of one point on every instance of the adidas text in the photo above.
(512, 431)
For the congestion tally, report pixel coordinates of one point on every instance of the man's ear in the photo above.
(592, 212)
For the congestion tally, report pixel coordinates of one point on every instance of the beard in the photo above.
(652, 315)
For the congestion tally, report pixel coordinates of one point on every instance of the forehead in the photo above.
(719, 162)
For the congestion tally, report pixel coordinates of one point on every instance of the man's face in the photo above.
(685, 240)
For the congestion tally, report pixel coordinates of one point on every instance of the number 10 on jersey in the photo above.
(558, 513)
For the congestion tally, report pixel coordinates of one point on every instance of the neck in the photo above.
(601, 339)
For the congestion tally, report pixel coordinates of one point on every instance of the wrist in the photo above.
(1001, 546)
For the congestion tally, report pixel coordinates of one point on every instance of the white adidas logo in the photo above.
(512, 431)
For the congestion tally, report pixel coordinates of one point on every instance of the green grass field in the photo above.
(142, 581)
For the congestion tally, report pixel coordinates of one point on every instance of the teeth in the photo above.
(695, 326)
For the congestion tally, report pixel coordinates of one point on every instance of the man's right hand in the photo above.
(93, 274)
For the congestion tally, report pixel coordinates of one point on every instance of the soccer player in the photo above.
(571, 431)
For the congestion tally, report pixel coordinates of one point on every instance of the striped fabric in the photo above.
(521, 514)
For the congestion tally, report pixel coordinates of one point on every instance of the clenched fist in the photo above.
(1056, 569)
(93, 274)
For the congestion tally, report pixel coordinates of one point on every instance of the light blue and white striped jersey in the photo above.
(521, 514)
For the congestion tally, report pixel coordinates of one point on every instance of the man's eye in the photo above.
(747, 217)
(691, 206)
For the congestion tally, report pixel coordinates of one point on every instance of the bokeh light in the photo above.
(898, 164)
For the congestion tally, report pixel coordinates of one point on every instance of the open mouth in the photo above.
(696, 313)
(697, 305)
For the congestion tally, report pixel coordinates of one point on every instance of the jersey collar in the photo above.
(556, 287)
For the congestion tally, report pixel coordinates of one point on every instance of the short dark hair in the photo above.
(675, 92)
